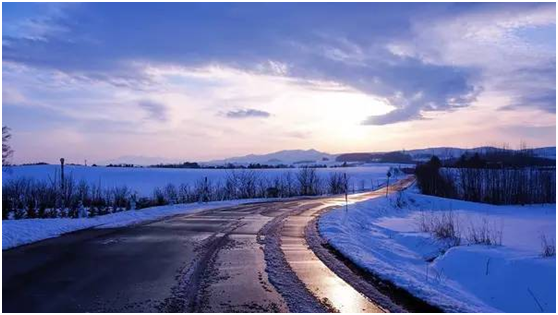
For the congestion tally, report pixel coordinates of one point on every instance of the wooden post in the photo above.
(62, 172)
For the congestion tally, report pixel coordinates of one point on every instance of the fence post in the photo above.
(346, 191)
(62, 172)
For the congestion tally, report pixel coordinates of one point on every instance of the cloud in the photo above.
(298, 134)
(310, 65)
(12, 95)
(247, 113)
(506, 46)
(35, 22)
(395, 116)
(530, 88)
(302, 44)
(542, 100)
(156, 110)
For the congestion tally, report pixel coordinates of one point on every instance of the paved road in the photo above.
(249, 258)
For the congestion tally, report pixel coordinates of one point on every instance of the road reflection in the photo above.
(318, 278)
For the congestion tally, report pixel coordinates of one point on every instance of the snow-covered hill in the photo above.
(312, 156)
(281, 157)
(546, 152)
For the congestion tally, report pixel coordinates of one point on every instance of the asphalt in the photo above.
(220, 260)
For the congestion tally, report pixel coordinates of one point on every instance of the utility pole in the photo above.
(346, 198)
(387, 186)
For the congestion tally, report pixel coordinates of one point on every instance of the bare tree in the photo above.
(308, 181)
(338, 183)
(7, 151)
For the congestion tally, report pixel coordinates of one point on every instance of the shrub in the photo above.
(548, 247)
(159, 197)
(170, 194)
(337, 183)
(308, 181)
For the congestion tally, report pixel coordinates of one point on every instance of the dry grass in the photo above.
(484, 234)
(446, 226)
(443, 226)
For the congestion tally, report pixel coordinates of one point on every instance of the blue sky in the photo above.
(202, 81)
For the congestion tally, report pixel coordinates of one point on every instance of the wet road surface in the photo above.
(249, 258)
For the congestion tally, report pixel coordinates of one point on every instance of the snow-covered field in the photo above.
(385, 237)
(144, 180)
(20, 232)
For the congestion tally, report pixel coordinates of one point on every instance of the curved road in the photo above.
(249, 258)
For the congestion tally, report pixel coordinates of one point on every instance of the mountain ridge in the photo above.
(309, 156)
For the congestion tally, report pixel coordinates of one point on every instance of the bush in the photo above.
(548, 247)
(170, 194)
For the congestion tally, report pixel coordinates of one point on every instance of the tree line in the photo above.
(510, 181)
(68, 198)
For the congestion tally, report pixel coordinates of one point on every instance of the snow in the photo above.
(20, 232)
(144, 180)
(384, 236)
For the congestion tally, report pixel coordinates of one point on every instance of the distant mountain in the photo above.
(546, 152)
(300, 157)
(281, 157)
(382, 157)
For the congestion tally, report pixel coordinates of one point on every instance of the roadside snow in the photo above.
(20, 232)
(385, 238)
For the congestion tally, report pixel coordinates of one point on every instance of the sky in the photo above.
(187, 81)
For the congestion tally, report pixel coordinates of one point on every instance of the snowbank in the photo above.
(20, 232)
(383, 236)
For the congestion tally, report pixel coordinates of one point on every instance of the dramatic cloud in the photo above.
(310, 48)
(247, 113)
(509, 49)
(337, 75)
